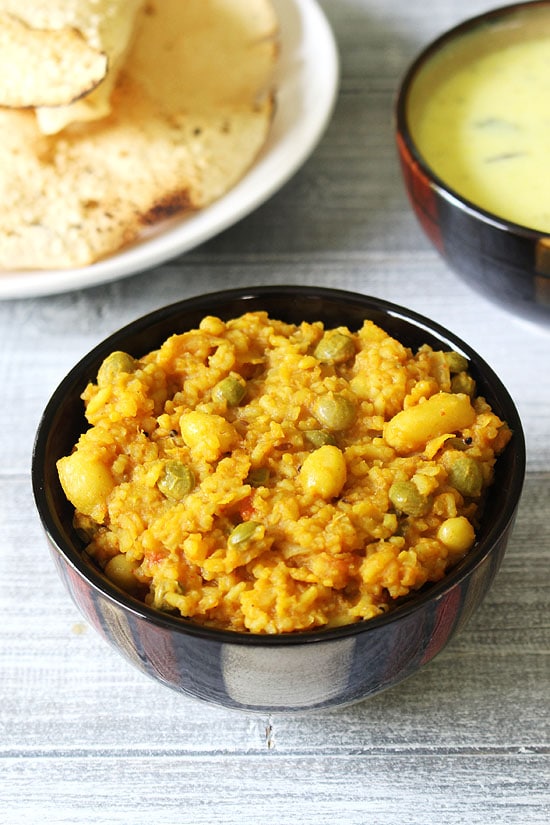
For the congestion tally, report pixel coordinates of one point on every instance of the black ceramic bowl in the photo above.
(505, 261)
(260, 672)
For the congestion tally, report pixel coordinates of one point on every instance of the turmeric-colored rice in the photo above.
(259, 476)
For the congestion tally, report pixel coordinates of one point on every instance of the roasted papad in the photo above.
(189, 113)
(63, 56)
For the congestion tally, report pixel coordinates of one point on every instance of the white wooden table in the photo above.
(85, 738)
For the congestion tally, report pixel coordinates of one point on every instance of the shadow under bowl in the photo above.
(281, 672)
(505, 261)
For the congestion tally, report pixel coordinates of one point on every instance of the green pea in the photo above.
(466, 476)
(407, 498)
(113, 365)
(334, 348)
(243, 532)
(176, 480)
(231, 390)
(258, 476)
(318, 438)
(336, 412)
(456, 362)
(463, 382)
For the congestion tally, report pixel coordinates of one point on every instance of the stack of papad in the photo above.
(62, 57)
(190, 110)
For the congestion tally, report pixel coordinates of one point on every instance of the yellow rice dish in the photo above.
(258, 476)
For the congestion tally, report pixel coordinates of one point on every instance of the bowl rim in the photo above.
(434, 592)
(403, 132)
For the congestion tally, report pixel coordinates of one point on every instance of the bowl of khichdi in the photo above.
(279, 498)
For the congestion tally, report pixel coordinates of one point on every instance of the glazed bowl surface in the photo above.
(304, 670)
(467, 194)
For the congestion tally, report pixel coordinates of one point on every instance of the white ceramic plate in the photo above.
(307, 83)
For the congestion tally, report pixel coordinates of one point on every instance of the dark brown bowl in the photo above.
(506, 262)
(285, 672)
